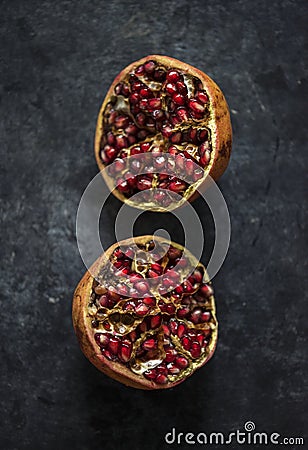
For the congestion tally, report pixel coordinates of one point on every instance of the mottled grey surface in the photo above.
(57, 61)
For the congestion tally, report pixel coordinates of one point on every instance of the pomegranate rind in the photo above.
(219, 123)
(85, 333)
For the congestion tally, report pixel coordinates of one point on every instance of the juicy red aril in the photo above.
(179, 99)
(173, 76)
(202, 97)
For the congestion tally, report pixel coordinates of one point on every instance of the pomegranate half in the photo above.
(161, 105)
(140, 319)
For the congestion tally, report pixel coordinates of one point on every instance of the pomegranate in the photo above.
(161, 105)
(144, 314)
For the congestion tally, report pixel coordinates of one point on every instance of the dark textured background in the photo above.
(57, 61)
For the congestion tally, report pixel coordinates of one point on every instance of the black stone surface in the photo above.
(57, 61)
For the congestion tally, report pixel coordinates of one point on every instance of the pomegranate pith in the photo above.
(137, 330)
(161, 105)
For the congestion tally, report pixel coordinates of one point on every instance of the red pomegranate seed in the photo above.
(157, 267)
(170, 355)
(173, 76)
(155, 321)
(161, 379)
(173, 326)
(177, 186)
(150, 374)
(121, 122)
(181, 87)
(121, 142)
(182, 113)
(142, 310)
(139, 70)
(167, 131)
(206, 290)
(131, 129)
(181, 362)
(149, 66)
(173, 369)
(114, 345)
(202, 97)
(149, 301)
(181, 330)
(203, 135)
(176, 138)
(205, 158)
(195, 350)
(187, 286)
(149, 344)
(122, 185)
(140, 118)
(179, 99)
(166, 330)
(154, 103)
(125, 352)
(198, 174)
(110, 138)
(171, 88)
(182, 313)
(142, 287)
(195, 106)
(144, 104)
(144, 183)
(159, 75)
(196, 315)
(186, 342)
(145, 146)
(205, 316)
(145, 93)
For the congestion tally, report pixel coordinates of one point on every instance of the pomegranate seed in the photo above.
(170, 355)
(166, 330)
(202, 97)
(107, 354)
(181, 362)
(131, 129)
(118, 88)
(187, 286)
(206, 290)
(203, 135)
(157, 267)
(161, 379)
(159, 75)
(150, 374)
(171, 88)
(181, 87)
(155, 321)
(122, 185)
(196, 315)
(110, 138)
(149, 344)
(140, 119)
(143, 104)
(177, 186)
(173, 150)
(142, 287)
(182, 113)
(142, 310)
(173, 369)
(176, 138)
(195, 350)
(145, 146)
(125, 352)
(114, 345)
(144, 183)
(119, 165)
(195, 106)
(198, 276)
(179, 99)
(186, 342)
(182, 312)
(154, 103)
(205, 158)
(121, 142)
(173, 76)
(139, 70)
(108, 154)
(167, 131)
(205, 316)
(145, 93)
(122, 289)
(181, 330)
(149, 66)
(173, 326)
(193, 135)
(121, 122)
